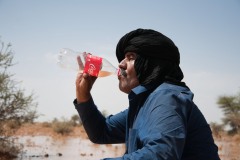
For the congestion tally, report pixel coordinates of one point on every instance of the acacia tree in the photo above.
(15, 106)
(231, 109)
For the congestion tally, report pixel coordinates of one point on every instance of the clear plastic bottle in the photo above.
(93, 65)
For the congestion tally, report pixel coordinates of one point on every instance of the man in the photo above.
(162, 121)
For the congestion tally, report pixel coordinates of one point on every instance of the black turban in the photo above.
(157, 59)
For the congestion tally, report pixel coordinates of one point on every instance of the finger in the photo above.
(80, 63)
(78, 80)
(79, 76)
(84, 55)
(92, 79)
(85, 75)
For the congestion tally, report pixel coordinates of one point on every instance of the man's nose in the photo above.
(122, 64)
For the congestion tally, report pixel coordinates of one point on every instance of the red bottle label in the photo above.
(93, 65)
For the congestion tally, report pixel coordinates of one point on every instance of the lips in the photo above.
(122, 72)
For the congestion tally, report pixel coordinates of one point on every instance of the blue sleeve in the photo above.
(162, 138)
(99, 129)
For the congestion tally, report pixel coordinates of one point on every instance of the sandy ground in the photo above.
(228, 146)
(41, 142)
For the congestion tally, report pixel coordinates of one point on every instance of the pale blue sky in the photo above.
(207, 34)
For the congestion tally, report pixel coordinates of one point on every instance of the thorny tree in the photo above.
(231, 109)
(15, 107)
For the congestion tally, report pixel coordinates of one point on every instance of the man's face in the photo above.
(128, 79)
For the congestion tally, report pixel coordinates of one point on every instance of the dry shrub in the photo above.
(13, 124)
(236, 138)
(217, 129)
(62, 127)
(9, 150)
(46, 124)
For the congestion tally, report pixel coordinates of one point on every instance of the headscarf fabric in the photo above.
(157, 59)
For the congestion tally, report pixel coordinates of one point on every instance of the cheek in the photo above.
(134, 83)
(132, 72)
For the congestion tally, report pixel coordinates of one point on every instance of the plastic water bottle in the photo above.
(81, 61)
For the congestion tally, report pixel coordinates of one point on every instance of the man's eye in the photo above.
(131, 58)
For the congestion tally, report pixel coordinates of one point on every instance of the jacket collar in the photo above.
(137, 97)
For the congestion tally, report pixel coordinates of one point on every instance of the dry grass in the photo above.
(42, 129)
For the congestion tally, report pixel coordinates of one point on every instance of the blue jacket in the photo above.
(160, 124)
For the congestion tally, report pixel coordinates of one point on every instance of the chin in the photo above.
(124, 89)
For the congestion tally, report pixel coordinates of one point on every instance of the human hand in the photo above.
(84, 83)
